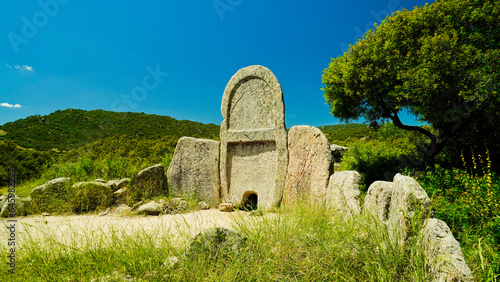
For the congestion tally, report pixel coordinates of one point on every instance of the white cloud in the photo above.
(10, 105)
(22, 68)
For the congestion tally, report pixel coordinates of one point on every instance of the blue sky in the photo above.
(172, 57)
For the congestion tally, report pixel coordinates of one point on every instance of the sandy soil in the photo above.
(78, 229)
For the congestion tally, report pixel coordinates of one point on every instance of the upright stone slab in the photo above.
(254, 155)
(409, 202)
(444, 258)
(378, 199)
(195, 169)
(343, 192)
(309, 165)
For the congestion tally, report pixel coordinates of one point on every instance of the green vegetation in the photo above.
(85, 145)
(70, 129)
(439, 61)
(303, 244)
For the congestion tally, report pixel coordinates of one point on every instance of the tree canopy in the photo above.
(440, 62)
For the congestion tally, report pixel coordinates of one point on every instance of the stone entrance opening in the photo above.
(250, 201)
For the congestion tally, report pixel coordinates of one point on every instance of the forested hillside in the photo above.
(71, 128)
(96, 143)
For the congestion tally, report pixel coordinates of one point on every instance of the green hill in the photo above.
(69, 129)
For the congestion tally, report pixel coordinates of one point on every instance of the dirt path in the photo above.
(79, 229)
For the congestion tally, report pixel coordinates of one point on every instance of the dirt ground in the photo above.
(78, 229)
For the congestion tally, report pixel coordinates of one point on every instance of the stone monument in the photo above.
(254, 154)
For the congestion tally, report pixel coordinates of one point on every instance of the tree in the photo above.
(441, 62)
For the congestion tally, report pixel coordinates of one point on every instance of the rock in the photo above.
(409, 202)
(309, 165)
(14, 206)
(254, 153)
(443, 254)
(119, 192)
(194, 169)
(151, 180)
(103, 213)
(118, 184)
(100, 180)
(88, 196)
(136, 205)
(378, 199)
(46, 214)
(53, 188)
(122, 209)
(176, 205)
(203, 206)
(226, 207)
(216, 243)
(338, 152)
(151, 208)
(171, 261)
(343, 192)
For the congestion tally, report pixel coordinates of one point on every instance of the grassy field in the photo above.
(303, 244)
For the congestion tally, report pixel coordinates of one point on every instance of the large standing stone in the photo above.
(195, 169)
(309, 165)
(343, 192)
(151, 180)
(254, 154)
(409, 202)
(378, 199)
(443, 254)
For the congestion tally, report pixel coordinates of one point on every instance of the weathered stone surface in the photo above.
(88, 196)
(378, 199)
(443, 254)
(152, 180)
(122, 208)
(338, 152)
(216, 243)
(195, 169)
(151, 208)
(175, 205)
(226, 207)
(409, 200)
(343, 192)
(254, 155)
(53, 188)
(14, 206)
(203, 205)
(118, 184)
(309, 165)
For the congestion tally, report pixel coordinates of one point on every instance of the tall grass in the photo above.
(303, 244)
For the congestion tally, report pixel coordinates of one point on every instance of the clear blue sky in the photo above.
(172, 57)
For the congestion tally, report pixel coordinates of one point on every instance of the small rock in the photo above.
(118, 184)
(171, 261)
(120, 191)
(136, 205)
(122, 209)
(203, 205)
(151, 208)
(176, 205)
(216, 243)
(226, 207)
(103, 213)
(46, 214)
